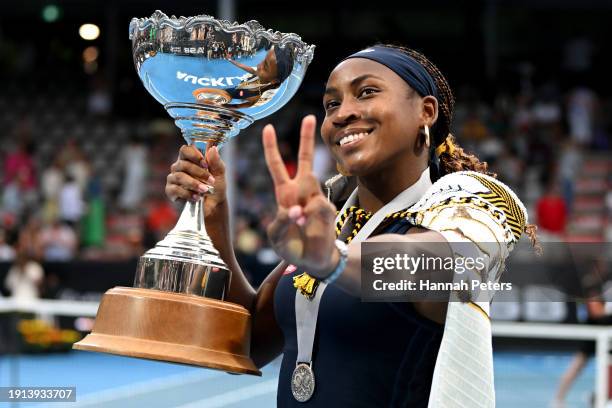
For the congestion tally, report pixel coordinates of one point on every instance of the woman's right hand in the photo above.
(192, 174)
(303, 231)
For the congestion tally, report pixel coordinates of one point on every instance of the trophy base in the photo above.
(172, 327)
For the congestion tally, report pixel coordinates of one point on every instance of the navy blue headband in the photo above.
(409, 69)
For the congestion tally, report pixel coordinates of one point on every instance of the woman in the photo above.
(264, 80)
(388, 114)
(24, 278)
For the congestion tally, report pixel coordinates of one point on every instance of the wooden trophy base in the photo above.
(172, 327)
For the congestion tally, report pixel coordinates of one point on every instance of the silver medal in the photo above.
(302, 382)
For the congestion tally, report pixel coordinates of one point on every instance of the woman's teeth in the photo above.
(351, 138)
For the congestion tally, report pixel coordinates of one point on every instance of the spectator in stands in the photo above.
(134, 164)
(24, 278)
(7, 252)
(551, 213)
(52, 180)
(58, 242)
(581, 106)
(135, 242)
(74, 162)
(546, 109)
(19, 164)
(19, 181)
(93, 229)
(28, 241)
(99, 101)
(161, 218)
(71, 205)
(18, 196)
(569, 166)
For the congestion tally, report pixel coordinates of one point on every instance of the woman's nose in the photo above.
(347, 112)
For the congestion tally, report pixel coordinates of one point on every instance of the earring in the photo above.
(426, 132)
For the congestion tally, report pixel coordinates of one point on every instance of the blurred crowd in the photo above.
(548, 145)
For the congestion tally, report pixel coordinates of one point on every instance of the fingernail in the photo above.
(295, 212)
(211, 180)
(204, 164)
(195, 197)
(203, 187)
(301, 221)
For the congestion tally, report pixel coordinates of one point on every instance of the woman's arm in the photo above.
(240, 65)
(266, 336)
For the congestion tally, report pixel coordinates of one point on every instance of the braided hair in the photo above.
(458, 159)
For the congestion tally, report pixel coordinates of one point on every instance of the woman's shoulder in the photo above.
(476, 183)
(475, 194)
(471, 183)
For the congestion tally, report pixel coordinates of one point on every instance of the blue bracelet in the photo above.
(343, 250)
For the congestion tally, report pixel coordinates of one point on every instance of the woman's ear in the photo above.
(430, 110)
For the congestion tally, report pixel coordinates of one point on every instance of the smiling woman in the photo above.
(388, 112)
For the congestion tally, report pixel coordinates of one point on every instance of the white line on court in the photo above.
(143, 387)
(234, 396)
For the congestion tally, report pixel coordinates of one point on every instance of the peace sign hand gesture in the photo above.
(302, 232)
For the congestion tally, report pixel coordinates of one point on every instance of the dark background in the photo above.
(484, 44)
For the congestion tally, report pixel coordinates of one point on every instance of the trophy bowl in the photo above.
(214, 78)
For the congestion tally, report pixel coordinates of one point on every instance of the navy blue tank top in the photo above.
(364, 354)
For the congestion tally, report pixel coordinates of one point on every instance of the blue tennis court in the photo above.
(526, 380)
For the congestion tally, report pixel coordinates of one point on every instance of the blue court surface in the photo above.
(522, 380)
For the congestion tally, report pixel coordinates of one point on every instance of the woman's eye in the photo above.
(330, 104)
(367, 91)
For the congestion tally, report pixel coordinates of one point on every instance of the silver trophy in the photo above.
(214, 78)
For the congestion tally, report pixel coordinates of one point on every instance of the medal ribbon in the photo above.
(307, 306)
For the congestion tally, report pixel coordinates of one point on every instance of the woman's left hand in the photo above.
(302, 232)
